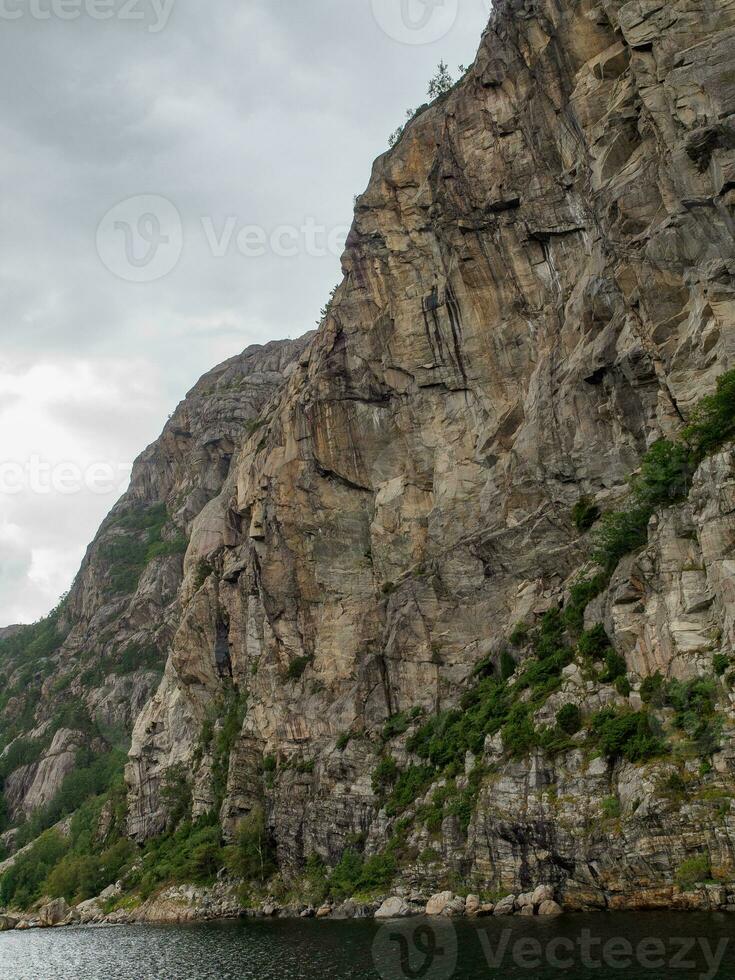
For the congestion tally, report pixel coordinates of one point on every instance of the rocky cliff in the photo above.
(82, 677)
(378, 523)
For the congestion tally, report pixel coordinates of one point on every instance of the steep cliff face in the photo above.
(538, 286)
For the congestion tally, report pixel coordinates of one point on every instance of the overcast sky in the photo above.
(176, 181)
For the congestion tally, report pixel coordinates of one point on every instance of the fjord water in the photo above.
(652, 946)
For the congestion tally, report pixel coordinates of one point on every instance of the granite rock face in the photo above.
(538, 285)
(118, 620)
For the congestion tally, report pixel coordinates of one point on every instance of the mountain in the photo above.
(441, 595)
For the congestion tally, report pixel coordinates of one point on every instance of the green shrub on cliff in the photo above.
(345, 878)
(611, 808)
(231, 709)
(399, 723)
(569, 719)
(355, 874)
(585, 513)
(652, 688)
(594, 642)
(296, 668)
(441, 82)
(664, 479)
(712, 423)
(408, 786)
(694, 871)
(163, 547)
(615, 667)
(176, 794)
(581, 594)
(79, 876)
(519, 734)
(628, 735)
(384, 775)
(507, 665)
(721, 663)
(619, 533)
(695, 712)
(193, 853)
(252, 857)
(519, 635)
(125, 561)
(665, 474)
(137, 656)
(544, 676)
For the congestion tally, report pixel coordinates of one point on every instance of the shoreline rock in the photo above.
(182, 904)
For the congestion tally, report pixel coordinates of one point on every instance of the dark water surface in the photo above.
(650, 946)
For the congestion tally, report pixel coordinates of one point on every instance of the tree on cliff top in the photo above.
(442, 81)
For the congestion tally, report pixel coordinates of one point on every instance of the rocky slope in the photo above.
(538, 286)
(82, 677)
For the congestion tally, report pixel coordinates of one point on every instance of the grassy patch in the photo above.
(611, 808)
(694, 871)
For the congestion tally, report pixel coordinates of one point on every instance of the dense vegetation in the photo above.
(80, 865)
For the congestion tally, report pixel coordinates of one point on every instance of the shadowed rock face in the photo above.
(538, 285)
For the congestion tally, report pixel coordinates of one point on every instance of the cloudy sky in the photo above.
(176, 181)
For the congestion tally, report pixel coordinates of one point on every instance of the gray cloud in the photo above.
(269, 112)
